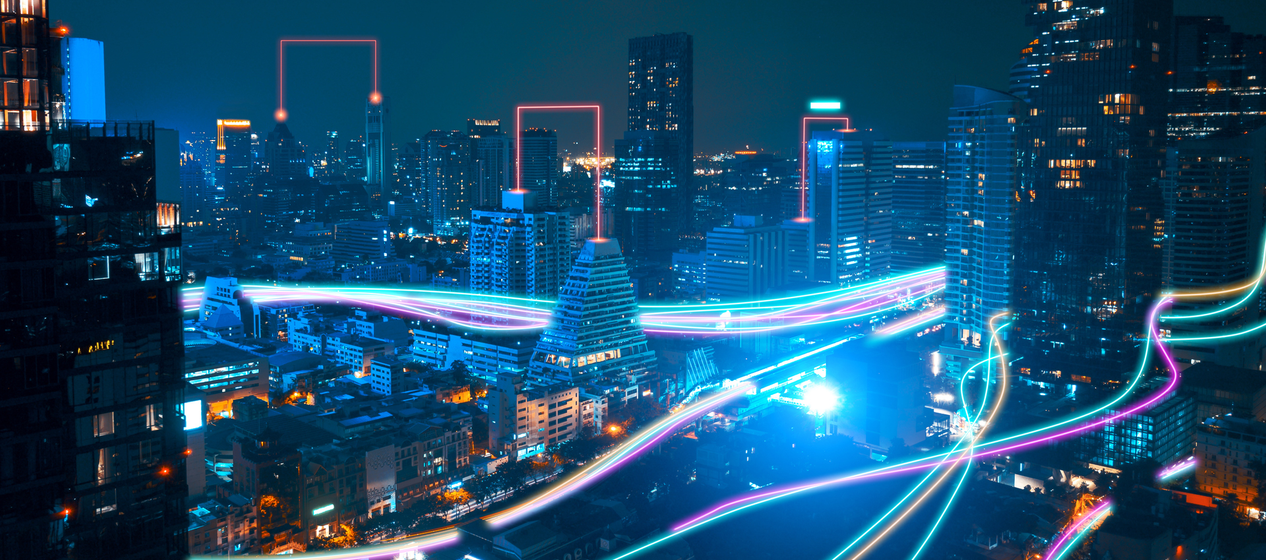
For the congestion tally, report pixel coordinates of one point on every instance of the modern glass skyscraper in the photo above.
(662, 94)
(918, 205)
(982, 175)
(850, 203)
(648, 198)
(447, 166)
(375, 150)
(1218, 79)
(595, 334)
(1213, 195)
(1090, 216)
(491, 162)
(539, 162)
(91, 396)
(233, 169)
(83, 79)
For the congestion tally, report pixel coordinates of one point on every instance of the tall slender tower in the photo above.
(981, 179)
(596, 334)
(375, 150)
(662, 98)
(1090, 216)
(491, 162)
(539, 172)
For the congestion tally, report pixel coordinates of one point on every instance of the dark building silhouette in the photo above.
(491, 162)
(662, 96)
(648, 200)
(447, 167)
(1217, 81)
(91, 419)
(539, 164)
(918, 205)
(1090, 216)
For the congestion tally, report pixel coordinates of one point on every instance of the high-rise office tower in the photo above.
(1218, 78)
(918, 205)
(981, 179)
(412, 170)
(744, 259)
(354, 160)
(375, 150)
(447, 168)
(539, 164)
(329, 165)
(233, 169)
(519, 249)
(1090, 216)
(850, 203)
(1213, 192)
(284, 155)
(662, 95)
(83, 79)
(648, 198)
(91, 396)
(491, 162)
(595, 333)
(761, 185)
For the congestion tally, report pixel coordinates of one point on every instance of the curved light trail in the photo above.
(506, 313)
(1032, 438)
(1074, 534)
(1177, 468)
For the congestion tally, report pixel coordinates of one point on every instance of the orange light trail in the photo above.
(597, 150)
(281, 114)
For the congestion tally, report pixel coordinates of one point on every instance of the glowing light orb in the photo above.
(281, 115)
(821, 399)
(375, 98)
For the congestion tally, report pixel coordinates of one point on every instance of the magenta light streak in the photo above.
(927, 462)
(1076, 527)
(1177, 468)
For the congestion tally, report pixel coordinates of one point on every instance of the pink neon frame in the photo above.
(597, 149)
(281, 115)
(804, 159)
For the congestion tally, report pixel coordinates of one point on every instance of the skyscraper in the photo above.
(83, 79)
(1214, 238)
(595, 334)
(744, 260)
(918, 205)
(447, 168)
(519, 249)
(662, 94)
(375, 150)
(1089, 222)
(981, 178)
(283, 155)
(649, 201)
(539, 164)
(850, 203)
(1217, 80)
(91, 397)
(233, 168)
(491, 162)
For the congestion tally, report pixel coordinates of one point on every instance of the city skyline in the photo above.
(920, 60)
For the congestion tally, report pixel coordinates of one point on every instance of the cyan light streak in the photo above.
(1254, 286)
(506, 313)
(1032, 438)
(1073, 535)
(1177, 468)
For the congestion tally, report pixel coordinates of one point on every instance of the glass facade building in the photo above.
(981, 178)
(91, 423)
(662, 94)
(648, 196)
(1090, 217)
(918, 203)
(850, 204)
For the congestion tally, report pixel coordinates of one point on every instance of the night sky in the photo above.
(757, 63)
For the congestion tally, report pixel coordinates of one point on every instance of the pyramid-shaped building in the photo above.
(596, 335)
